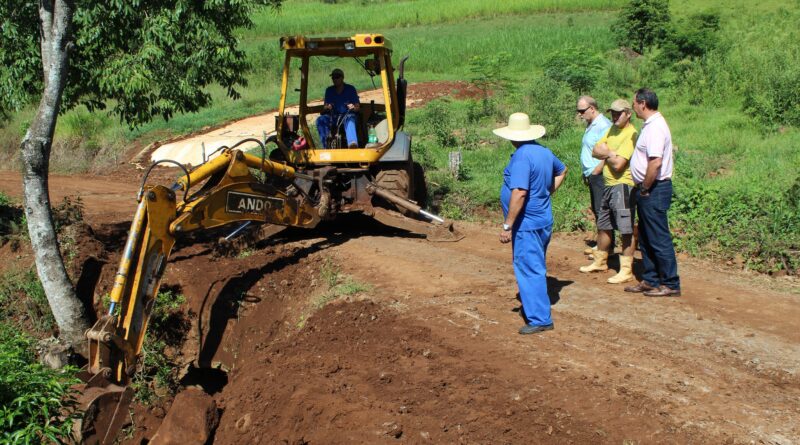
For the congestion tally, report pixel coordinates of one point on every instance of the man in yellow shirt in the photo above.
(616, 148)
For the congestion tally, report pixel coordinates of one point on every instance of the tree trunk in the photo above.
(56, 19)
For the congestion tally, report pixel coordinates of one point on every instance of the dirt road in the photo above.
(429, 353)
(193, 148)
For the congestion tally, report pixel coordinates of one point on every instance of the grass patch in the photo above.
(33, 399)
(157, 376)
(23, 302)
(337, 284)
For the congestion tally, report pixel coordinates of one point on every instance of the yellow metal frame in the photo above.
(362, 45)
(116, 339)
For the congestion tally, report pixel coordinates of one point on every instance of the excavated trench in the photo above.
(274, 355)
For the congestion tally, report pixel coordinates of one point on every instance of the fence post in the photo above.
(455, 163)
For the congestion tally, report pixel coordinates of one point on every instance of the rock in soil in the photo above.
(191, 420)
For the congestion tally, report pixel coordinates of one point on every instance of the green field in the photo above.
(734, 111)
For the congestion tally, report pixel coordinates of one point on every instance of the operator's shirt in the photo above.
(594, 131)
(655, 141)
(533, 168)
(339, 101)
(622, 142)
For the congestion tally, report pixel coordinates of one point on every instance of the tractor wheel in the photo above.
(398, 182)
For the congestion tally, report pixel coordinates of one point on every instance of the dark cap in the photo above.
(337, 73)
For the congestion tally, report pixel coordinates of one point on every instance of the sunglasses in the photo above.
(337, 77)
(579, 111)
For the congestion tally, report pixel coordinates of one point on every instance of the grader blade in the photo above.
(437, 229)
(433, 232)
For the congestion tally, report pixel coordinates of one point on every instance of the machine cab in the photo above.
(365, 60)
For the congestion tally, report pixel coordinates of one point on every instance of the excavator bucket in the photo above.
(105, 410)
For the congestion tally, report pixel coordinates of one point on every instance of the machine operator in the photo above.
(339, 99)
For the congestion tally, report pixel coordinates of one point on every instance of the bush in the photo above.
(691, 38)
(762, 228)
(548, 102)
(577, 68)
(772, 96)
(36, 403)
(23, 300)
(438, 122)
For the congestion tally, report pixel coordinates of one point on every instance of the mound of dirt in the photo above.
(361, 373)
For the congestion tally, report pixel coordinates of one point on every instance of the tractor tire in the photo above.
(397, 181)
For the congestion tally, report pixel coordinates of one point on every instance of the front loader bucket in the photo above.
(105, 410)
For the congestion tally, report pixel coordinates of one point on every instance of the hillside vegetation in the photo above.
(726, 73)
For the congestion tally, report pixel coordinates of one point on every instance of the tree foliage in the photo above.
(691, 38)
(642, 24)
(142, 58)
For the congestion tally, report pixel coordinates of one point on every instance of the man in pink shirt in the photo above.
(651, 169)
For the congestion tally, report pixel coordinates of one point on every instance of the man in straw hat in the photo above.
(531, 176)
(616, 149)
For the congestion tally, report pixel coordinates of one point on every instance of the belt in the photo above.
(657, 181)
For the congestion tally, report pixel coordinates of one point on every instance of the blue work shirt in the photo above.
(593, 133)
(340, 101)
(533, 168)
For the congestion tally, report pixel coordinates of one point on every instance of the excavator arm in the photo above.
(234, 187)
(230, 193)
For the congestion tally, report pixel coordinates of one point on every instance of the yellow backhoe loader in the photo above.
(299, 183)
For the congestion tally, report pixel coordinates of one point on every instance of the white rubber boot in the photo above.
(600, 263)
(625, 271)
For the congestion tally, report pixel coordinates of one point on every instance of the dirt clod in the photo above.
(191, 421)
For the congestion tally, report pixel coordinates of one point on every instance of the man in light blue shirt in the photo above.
(596, 126)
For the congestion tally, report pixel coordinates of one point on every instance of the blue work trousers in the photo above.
(530, 250)
(326, 121)
(655, 240)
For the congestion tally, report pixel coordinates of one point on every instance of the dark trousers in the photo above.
(655, 240)
(596, 185)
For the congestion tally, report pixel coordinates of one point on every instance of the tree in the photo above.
(642, 24)
(143, 58)
(488, 74)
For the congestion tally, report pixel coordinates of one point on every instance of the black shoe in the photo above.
(529, 329)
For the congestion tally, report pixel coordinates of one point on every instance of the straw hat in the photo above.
(519, 129)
